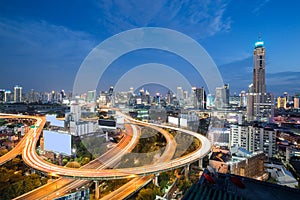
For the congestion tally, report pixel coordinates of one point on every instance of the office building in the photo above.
(210, 99)
(296, 101)
(263, 107)
(281, 102)
(243, 99)
(185, 94)
(179, 94)
(2, 95)
(199, 98)
(103, 99)
(169, 97)
(7, 96)
(91, 96)
(222, 97)
(31, 96)
(17, 94)
(75, 110)
(234, 101)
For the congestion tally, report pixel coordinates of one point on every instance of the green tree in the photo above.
(147, 194)
(184, 184)
(3, 151)
(85, 160)
(73, 164)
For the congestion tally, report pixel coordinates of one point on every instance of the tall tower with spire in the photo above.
(260, 104)
(259, 70)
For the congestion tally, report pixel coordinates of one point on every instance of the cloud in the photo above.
(198, 18)
(261, 4)
(36, 51)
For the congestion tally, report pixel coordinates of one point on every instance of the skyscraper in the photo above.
(7, 96)
(259, 70)
(179, 95)
(222, 97)
(2, 95)
(243, 100)
(260, 104)
(296, 101)
(200, 97)
(91, 96)
(17, 93)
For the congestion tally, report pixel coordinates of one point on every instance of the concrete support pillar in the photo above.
(186, 171)
(106, 136)
(155, 180)
(201, 163)
(97, 192)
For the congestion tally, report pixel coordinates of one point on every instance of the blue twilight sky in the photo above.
(43, 43)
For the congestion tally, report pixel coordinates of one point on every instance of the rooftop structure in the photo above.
(228, 186)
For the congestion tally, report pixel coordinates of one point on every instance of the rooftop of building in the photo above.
(281, 174)
(227, 186)
(259, 44)
(268, 126)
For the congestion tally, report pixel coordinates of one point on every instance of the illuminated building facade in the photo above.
(17, 93)
(260, 104)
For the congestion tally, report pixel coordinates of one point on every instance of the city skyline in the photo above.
(47, 44)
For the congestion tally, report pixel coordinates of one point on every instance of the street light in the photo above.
(74, 152)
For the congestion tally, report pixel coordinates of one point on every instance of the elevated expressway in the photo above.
(138, 182)
(132, 185)
(62, 186)
(17, 150)
(32, 159)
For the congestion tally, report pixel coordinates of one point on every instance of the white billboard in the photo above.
(174, 121)
(57, 142)
(55, 122)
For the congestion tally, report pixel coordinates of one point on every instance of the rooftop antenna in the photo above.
(259, 37)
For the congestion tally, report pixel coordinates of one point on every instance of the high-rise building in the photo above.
(169, 97)
(31, 96)
(234, 100)
(17, 93)
(185, 94)
(75, 110)
(259, 71)
(262, 139)
(222, 97)
(243, 99)
(239, 136)
(281, 102)
(131, 90)
(7, 96)
(260, 104)
(210, 99)
(91, 96)
(2, 95)
(253, 138)
(179, 95)
(296, 101)
(200, 96)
